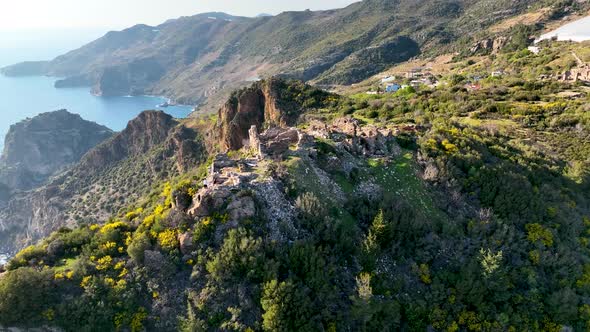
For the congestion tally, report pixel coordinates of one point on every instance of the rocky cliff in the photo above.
(38, 148)
(117, 172)
(149, 129)
(268, 103)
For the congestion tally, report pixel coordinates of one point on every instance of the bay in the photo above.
(23, 97)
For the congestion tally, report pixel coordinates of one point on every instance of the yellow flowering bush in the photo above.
(85, 281)
(168, 239)
(104, 263)
(123, 273)
(112, 226)
(109, 282)
(108, 246)
(134, 214)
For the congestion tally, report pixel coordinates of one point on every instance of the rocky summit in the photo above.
(38, 148)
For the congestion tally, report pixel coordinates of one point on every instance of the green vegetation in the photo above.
(478, 221)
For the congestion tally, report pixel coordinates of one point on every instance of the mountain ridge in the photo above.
(197, 59)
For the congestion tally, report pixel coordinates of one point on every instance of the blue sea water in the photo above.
(22, 97)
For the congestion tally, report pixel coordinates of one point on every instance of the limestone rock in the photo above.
(260, 105)
(208, 200)
(318, 129)
(186, 243)
(276, 141)
(346, 125)
(492, 45)
(242, 208)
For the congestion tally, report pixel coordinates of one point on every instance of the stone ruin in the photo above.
(225, 178)
(366, 140)
(275, 141)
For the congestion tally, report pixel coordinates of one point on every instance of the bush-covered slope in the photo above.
(460, 207)
(153, 147)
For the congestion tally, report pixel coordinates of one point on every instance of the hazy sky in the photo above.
(118, 14)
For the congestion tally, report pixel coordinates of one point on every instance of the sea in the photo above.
(25, 97)
(577, 31)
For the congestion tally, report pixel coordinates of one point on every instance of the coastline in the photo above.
(113, 112)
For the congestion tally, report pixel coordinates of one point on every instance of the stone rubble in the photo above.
(237, 187)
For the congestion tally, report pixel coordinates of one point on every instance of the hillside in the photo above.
(449, 192)
(107, 178)
(204, 57)
(460, 207)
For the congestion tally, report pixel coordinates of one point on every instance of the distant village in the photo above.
(421, 77)
(415, 78)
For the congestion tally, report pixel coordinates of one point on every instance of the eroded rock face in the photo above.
(491, 45)
(149, 129)
(151, 148)
(38, 148)
(186, 243)
(259, 105)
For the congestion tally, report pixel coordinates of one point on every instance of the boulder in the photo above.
(346, 125)
(186, 243)
(208, 200)
(318, 129)
(242, 208)
(277, 141)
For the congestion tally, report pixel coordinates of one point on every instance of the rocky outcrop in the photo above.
(265, 104)
(110, 176)
(489, 45)
(38, 148)
(234, 187)
(225, 177)
(147, 130)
